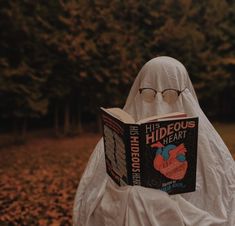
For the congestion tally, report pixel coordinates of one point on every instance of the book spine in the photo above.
(114, 147)
(133, 154)
(143, 159)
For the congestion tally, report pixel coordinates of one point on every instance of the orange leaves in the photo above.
(38, 180)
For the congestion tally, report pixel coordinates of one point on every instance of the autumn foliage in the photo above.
(64, 59)
(38, 180)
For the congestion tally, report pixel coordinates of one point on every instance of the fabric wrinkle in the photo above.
(100, 202)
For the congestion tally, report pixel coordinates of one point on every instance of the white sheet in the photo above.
(100, 202)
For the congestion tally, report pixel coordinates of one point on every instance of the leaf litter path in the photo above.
(38, 180)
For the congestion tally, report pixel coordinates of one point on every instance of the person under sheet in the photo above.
(100, 202)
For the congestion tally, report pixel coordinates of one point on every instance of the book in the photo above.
(157, 152)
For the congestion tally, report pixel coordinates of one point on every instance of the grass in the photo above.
(38, 180)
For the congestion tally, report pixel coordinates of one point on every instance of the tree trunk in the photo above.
(16, 133)
(20, 130)
(24, 128)
(66, 119)
(79, 121)
(56, 120)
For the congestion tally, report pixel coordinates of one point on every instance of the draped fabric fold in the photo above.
(100, 202)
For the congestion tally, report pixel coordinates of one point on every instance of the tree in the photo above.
(20, 82)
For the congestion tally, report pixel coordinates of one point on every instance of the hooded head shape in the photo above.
(160, 73)
(163, 73)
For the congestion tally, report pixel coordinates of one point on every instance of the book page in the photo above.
(120, 114)
(126, 118)
(164, 116)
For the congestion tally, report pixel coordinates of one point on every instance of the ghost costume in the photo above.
(100, 202)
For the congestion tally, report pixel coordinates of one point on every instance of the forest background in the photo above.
(61, 60)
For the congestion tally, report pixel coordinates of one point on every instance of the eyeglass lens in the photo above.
(169, 95)
(148, 95)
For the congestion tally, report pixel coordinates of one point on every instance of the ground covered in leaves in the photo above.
(38, 180)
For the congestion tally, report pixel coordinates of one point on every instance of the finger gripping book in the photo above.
(157, 152)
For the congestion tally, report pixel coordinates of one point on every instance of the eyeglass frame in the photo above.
(155, 91)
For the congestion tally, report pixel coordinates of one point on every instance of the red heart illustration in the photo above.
(171, 167)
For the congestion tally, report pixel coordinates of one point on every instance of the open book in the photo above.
(126, 118)
(157, 152)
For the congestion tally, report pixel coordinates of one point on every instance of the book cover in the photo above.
(159, 154)
(116, 149)
(169, 155)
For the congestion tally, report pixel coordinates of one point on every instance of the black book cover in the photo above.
(160, 154)
(117, 157)
(169, 155)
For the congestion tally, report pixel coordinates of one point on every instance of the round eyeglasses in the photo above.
(169, 95)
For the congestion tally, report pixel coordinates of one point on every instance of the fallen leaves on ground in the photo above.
(38, 180)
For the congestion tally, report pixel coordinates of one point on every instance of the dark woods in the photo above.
(61, 60)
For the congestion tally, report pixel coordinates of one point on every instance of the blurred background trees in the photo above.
(60, 60)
